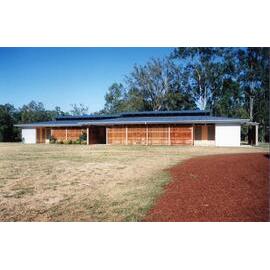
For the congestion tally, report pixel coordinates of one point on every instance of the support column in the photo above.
(66, 134)
(87, 136)
(256, 134)
(107, 138)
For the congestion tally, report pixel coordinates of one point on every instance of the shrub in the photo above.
(83, 142)
(69, 141)
(59, 142)
(83, 136)
(52, 139)
(78, 141)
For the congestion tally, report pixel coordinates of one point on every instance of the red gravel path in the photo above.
(216, 188)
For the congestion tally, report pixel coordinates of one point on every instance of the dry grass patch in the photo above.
(87, 183)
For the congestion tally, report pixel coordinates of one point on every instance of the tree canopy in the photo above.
(232, 82)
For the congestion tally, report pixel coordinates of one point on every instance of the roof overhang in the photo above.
(112, 123)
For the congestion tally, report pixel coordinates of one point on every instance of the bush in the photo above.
(68, 142)
(83, 136)
(78, 141)
(52, 139)
(84, 142)
(59, 142)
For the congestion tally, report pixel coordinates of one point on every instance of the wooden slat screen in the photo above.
(117, 135)
(158, 135)
(74, 133)
(41, 134)
(205, 132)
(181, 135)
(62, 134)
(59, 133)
(137, 134)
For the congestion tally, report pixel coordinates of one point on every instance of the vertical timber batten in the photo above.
(126, 135)
(169, 135)
(147, 135)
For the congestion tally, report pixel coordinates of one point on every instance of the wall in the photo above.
(228, 134)
(29, 135)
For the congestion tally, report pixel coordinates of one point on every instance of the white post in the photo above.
(66, 134)
(107, 139)
(87, 134)
(256, 135)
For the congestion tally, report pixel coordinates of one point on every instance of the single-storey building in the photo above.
(143, 128)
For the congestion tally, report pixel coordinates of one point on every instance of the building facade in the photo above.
(196, 128)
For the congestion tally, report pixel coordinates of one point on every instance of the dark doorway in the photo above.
(97, 135)
(252, 135)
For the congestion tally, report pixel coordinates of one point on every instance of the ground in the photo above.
(216, 188)
(88, 183)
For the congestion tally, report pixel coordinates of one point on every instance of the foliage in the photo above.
(8, 116)
(153, 87)
(232, 82)
(79, 109)
(83, 136)
(52, 139)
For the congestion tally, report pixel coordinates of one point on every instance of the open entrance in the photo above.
(249, 134)
(96, 135)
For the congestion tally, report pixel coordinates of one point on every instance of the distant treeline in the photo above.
(32, 112)
(230, 82)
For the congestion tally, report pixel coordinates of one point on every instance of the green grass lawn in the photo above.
(87, 183)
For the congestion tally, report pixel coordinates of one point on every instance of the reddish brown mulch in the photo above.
(216, 188)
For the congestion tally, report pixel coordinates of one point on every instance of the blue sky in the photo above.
(62, 76)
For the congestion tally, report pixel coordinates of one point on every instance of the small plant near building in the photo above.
(83, 136)
(52, 140)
